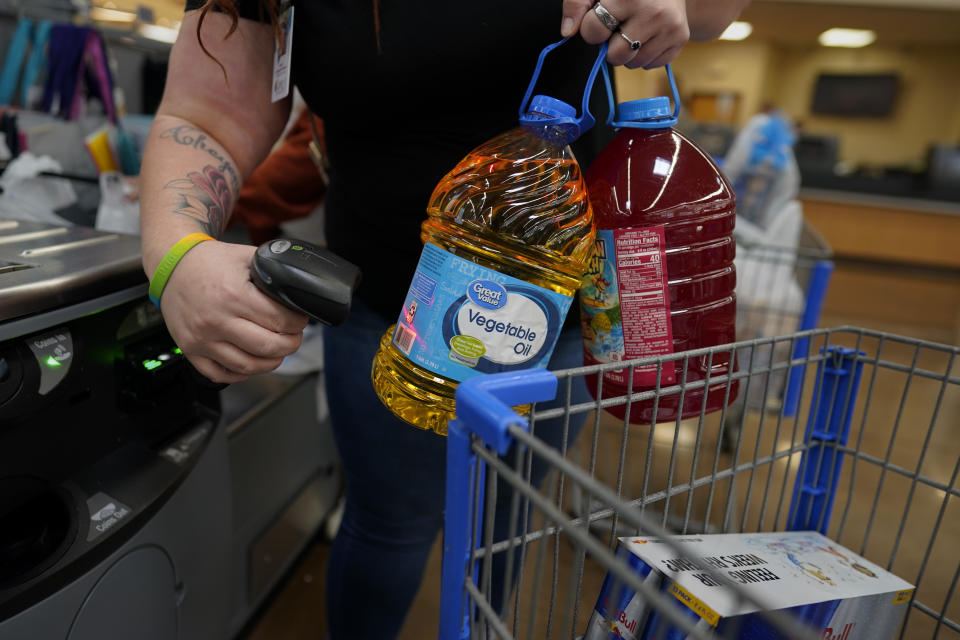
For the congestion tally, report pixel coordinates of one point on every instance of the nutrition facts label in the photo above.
(644, 299)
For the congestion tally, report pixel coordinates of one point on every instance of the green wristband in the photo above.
(169, 263)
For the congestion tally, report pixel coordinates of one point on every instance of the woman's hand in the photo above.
(649, 33)
(225, 326)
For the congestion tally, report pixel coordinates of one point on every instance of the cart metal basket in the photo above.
(870, 458)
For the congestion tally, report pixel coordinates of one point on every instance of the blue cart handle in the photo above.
(483, 408)
(484, 402)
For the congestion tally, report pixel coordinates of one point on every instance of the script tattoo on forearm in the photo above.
(189, 136)
(204, 196)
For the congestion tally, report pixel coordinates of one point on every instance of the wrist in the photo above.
(155, 245)
(168, 263)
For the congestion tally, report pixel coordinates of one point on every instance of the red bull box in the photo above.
(824, 585)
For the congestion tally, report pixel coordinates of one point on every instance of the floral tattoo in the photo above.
(204, 196)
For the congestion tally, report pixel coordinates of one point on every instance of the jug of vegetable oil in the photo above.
(507, 239)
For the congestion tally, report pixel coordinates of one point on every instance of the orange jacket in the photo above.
(286, 186)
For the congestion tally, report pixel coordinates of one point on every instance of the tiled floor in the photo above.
(913, 422)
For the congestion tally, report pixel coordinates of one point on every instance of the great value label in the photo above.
(461, 319)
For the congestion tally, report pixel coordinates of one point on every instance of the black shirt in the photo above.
(447, 76)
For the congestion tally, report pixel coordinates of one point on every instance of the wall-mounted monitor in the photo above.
(855, 95)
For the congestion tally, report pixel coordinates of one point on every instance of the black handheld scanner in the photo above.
(306, 278)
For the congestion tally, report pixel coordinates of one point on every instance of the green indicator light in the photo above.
(53, 362)
(177, 351)
(151, 364)
(297, 247)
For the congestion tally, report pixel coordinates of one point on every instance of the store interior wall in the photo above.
(927, 109)
(922, 115)
(709, 68)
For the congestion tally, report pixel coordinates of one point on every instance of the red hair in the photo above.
(268, 8)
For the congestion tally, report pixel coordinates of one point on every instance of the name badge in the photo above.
(281, 56)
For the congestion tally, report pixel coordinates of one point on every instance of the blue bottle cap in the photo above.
(545, 106)
(646, 109)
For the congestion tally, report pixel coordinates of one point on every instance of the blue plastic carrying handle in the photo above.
(575, 127)
(648, 113)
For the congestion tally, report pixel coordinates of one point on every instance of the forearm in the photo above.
(708, 18)
(189, 184)
(214, 125)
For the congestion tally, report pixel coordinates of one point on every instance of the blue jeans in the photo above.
(395, 477)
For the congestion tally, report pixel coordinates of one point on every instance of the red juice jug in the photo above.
(662, 277)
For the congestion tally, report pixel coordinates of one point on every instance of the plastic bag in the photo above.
(119, 209)
(762, 168)
(28, 195)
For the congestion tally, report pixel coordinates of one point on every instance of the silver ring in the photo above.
(634, 44)
(607, 18)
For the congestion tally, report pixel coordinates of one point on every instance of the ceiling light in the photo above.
(103, 14)
(737, 31)
(161, 34)
(847, 37)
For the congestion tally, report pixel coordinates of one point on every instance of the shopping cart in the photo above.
(871, 459)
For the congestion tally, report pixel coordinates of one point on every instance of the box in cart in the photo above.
(833, 590)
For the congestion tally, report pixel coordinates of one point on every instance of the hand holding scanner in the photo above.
(306, 278)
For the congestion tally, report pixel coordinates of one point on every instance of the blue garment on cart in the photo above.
(37, 60)
(77, 61)
(395, 484)
(16, 53)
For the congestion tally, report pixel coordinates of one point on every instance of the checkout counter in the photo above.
(895, 256)
(135, 501)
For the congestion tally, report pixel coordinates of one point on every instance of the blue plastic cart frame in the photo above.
(813, 306)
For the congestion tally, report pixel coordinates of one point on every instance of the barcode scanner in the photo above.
(306, 278)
